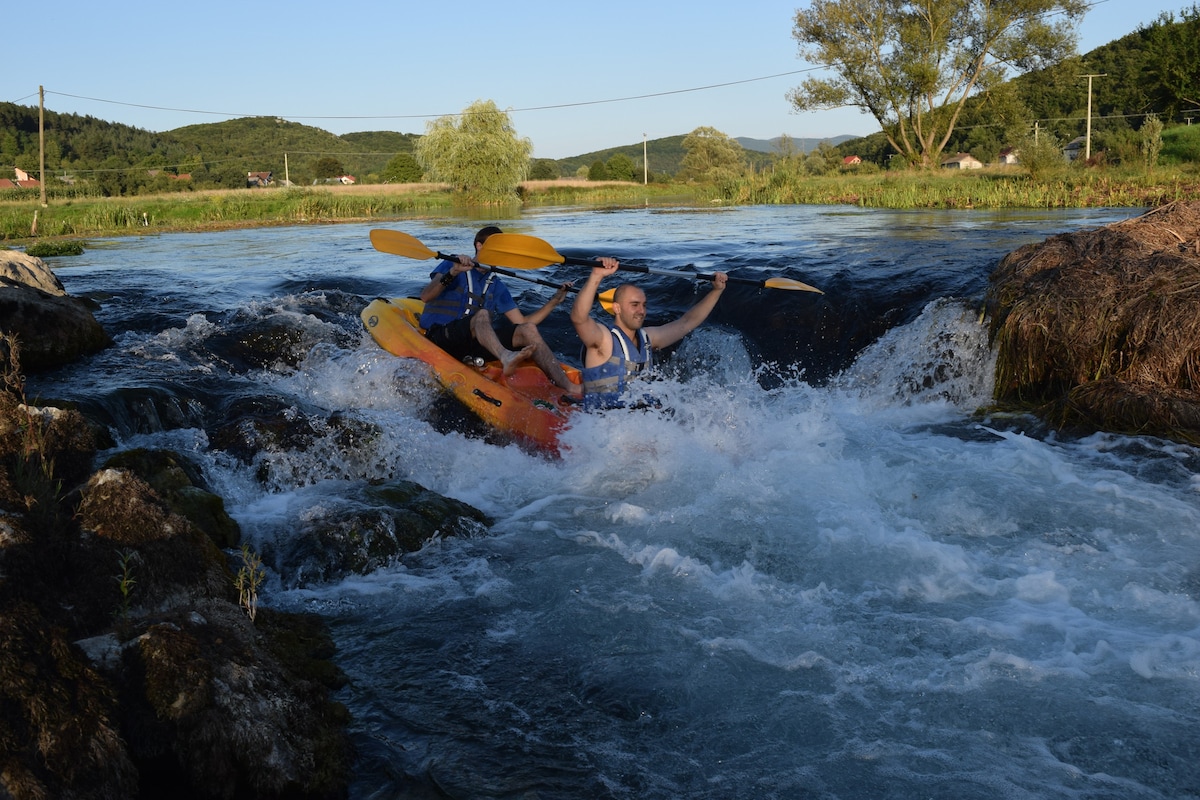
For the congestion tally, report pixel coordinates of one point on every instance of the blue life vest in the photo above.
(467, 294)
(604, 385)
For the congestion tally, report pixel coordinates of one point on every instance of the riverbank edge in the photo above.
(25, 222)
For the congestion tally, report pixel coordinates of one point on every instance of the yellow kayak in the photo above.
(525, 404)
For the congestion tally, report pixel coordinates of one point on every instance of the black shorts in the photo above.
(456, 339)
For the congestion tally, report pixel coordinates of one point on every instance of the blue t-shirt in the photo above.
(469, 292)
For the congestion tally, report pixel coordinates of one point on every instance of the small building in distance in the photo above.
(963, 161)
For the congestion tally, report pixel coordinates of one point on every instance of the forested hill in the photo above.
(119, 157)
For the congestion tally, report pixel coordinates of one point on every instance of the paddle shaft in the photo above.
(512, 274)
(587, 262)
(403, 244)
(604, 298)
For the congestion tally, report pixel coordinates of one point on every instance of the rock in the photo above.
(214, 710)
(60, 735)
(1099, 330)
(371, 530)
(128, 666)
(181, 487)
(52, 328)
(19, 269)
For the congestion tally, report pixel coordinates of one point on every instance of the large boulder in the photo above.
(1100, 329)
(21, 270)
(52, 327)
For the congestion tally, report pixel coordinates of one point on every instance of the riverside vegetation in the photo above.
(24, 221)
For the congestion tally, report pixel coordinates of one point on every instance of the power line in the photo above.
(433, 116)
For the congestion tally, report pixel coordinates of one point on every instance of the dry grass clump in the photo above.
(1101, 328)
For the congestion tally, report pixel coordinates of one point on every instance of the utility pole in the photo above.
(645, 163)
(1087, 142)
(42, 142)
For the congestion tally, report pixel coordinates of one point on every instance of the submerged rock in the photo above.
(367, 532)
(1100, 329)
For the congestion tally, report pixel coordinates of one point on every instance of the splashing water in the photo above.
(824, 575)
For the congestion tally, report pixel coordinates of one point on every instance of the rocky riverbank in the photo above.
(134, 657)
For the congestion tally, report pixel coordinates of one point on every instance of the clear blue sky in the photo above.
(576, 75)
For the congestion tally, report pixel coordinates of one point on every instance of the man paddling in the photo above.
(616, 354)
(470, 314)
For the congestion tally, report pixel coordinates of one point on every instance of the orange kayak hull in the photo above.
(524, 404)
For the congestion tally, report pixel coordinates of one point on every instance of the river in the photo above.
(822, 575)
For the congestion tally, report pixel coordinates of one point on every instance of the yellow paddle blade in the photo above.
(788, 283)
(606, 299)
(517, 251)
(400, 244)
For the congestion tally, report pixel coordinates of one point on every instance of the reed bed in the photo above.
(75, 215)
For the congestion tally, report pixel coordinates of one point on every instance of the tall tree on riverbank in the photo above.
(912, 64)
(712, 156)
(477, 152)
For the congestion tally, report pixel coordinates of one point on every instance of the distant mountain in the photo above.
(799, 145)
(666, 154)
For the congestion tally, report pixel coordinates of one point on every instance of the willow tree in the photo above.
(477, 152)
(711, 155)
(912, 64)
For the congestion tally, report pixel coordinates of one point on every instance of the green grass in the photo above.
(206, 211)
(1007, 187)
(1181, 145)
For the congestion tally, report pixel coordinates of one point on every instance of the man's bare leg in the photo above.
(481, 329)
(544, 357)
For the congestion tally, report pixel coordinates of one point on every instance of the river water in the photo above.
(823, 575)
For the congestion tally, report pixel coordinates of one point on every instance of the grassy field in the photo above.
(23, 221)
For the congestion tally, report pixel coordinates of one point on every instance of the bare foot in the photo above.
(513, 358)
(574, 389)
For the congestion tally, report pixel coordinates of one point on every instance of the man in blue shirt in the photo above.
(470, 313)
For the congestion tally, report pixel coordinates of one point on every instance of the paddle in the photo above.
(606, 298)
(399, 243)
(518, 251)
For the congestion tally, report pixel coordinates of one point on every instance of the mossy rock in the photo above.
(182, 488)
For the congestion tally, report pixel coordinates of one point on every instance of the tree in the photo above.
(327, 167)
(912, 64)
(1041, 155)
(403, 168)
(1151, 140)
(597, 171)
(620, 167)
(477, 152)
(543, 169)
(1173, 73)
(823, 160)
(711, 156)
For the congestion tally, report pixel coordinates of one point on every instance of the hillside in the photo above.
(665, 156)
(801, 145)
